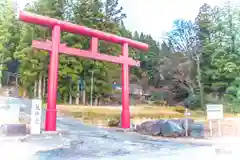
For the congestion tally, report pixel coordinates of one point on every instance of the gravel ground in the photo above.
(82, 141)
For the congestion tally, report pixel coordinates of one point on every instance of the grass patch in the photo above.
(111, 115)
(79, 111)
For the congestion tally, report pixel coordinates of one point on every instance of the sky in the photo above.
(155, 17)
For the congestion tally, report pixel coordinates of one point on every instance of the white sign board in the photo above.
(36, 116)
(214, 111)
(9, 113)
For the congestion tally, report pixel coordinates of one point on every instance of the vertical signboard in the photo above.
(36, 115)
(215, 112)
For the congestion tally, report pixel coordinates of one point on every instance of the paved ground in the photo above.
(79, 141)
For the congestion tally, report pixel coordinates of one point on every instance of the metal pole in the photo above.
(186, 122)
(91, 97)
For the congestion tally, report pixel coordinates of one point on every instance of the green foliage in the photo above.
(193, 101)
(114, 122)
(233, 91)
(198, 58)
(160, 102)
(9, 28)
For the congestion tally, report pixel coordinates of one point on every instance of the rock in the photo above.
(150, 127)
(145, 127)
(168, 128)
(197, 130)
(13, 130)
(183, 122)
(133, 126)
(171, 128)
(156, 128)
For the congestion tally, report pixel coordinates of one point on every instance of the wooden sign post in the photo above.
(215, 112)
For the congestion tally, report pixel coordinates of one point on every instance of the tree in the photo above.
(113, 12)
(9, 37)
(184, 39)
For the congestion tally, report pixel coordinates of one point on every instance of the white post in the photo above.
(210, 127)
(219, 128)
(186, 122)
(186, 130)
(36, 116)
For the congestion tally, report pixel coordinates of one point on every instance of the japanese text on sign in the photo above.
(36, 114)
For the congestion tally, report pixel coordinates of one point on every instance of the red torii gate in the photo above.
(55, 48)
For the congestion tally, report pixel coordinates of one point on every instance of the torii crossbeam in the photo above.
(54, 47)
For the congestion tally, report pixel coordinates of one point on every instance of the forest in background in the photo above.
(198, 61)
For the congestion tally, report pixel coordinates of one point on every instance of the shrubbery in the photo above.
(114, 122)
(180, 109)
(192, 101)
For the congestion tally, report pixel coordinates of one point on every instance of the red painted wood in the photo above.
(125, 116)
(77, 29)
(51, 112)
(84, 53)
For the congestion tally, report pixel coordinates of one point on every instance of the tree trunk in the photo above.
(70, 93)
(78, 95)
(40, 87)
(1, 66)
(199, 77)
(70, 99)
(84, 96)
(35, 89)
(16, 79)
(65, 98)
(44, 87)
(24, 93)
(1, 72)
(77, 99)
(96, 101)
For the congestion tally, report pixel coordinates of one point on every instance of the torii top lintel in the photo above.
(78, 29)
